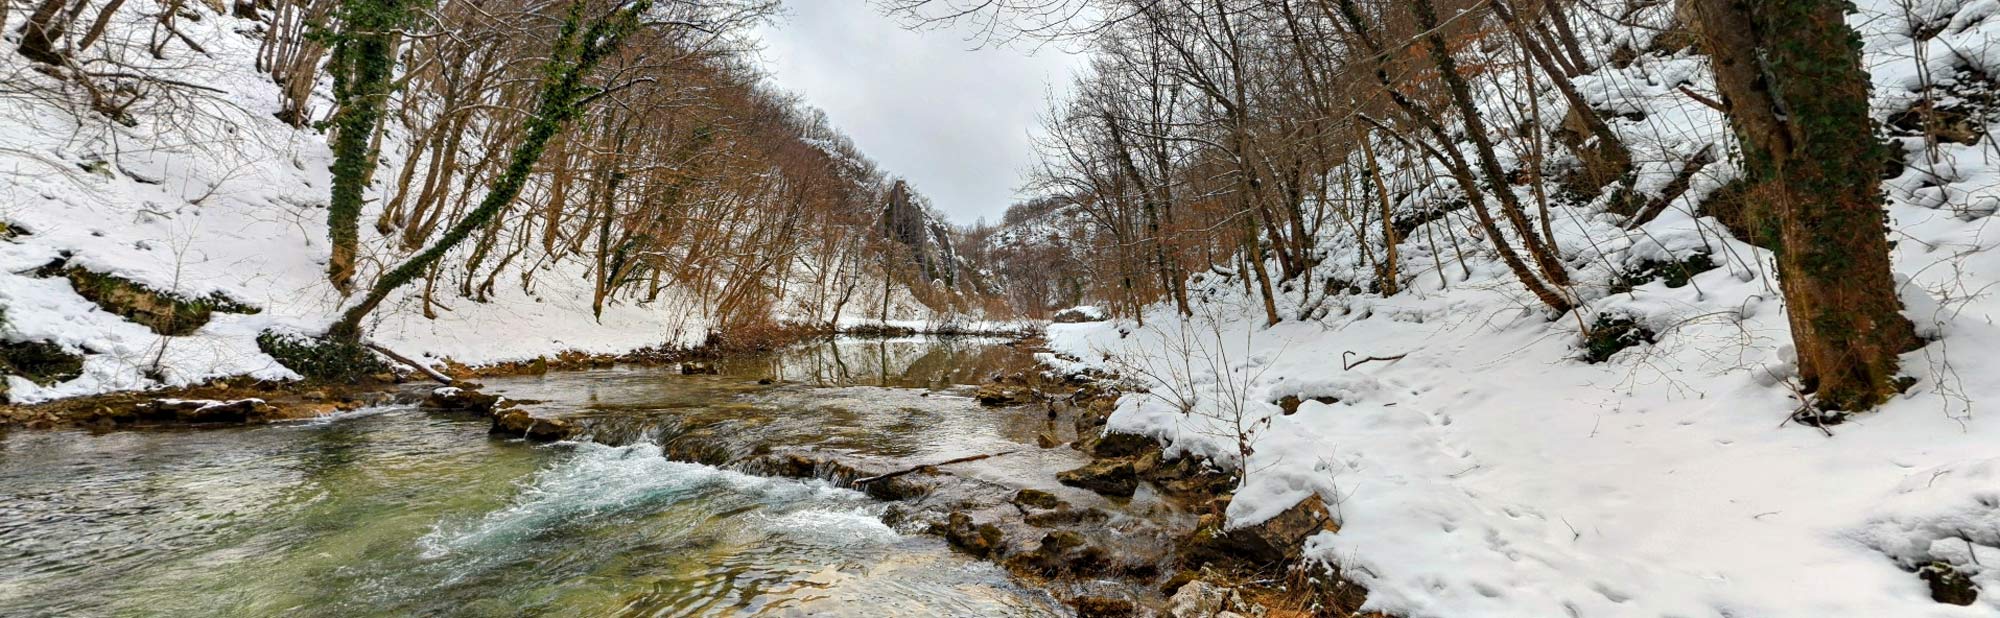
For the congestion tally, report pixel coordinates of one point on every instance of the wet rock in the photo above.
(1047, 440)
(995, 395)
(1948, 584)
(1187, 476)
(461, 399)
(1200, 599)
(1103, 607)
(519, 423)
(1275, 540)
(790, 465)
(700, 446)
(1067, 517)
(980, 540)
(1123, 445)
(204, 410)
(902, 487)
(1037, 498)
(902, 517)
(1149, 464)
(1111, 477)
(698, 368)
(802, 465)
(1060, 552)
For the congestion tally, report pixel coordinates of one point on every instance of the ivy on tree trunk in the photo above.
(578, 49)
(363, 59)
(1792, 82)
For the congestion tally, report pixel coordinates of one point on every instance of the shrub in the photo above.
(323, 360)
(1610, 334)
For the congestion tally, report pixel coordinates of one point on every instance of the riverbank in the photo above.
(267, 399)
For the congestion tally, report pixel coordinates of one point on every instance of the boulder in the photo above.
(166, 313)
(1275, 540)
(1103, 607)
(1036, 498)
(1948, 584)
(519, 423)
(980, 540)
(1200, 599)
(204, 410)
(1061, 551)
(1111, 477)
(994, 395)
(1123, 445)
(461, 399)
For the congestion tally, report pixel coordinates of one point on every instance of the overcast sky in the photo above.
(947, 114)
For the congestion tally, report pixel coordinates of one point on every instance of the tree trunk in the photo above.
(1611, 161)
(365, 59)
(1565, 34)
(1448, 154)
(574, 56)
(1388, 279)
(96, 30)
(39, 35)
(1791, 79)
(1482, 144)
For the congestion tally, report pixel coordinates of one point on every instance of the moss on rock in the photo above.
(40, 362)
(323, 360)
(166, 313)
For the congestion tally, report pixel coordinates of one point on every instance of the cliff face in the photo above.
(923, 233)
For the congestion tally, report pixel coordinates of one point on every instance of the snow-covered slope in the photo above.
(1481, 468)
(208, 193)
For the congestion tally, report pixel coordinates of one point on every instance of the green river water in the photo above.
(400, 512)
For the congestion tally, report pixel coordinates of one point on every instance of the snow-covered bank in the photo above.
(1482, 467)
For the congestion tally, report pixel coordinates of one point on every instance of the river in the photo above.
(396, 511)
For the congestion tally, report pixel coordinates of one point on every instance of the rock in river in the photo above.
(518, 423)
(1111, 477)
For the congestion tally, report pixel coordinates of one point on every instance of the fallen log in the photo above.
(1674, 189)
(432, 373)
(948, 462)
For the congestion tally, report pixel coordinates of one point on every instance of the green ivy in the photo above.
(322, 360)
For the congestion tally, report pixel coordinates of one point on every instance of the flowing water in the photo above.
(401, 512)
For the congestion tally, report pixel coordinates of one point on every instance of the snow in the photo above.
(212, 194)
(1479, 467)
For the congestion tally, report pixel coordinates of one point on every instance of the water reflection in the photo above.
(913, 362)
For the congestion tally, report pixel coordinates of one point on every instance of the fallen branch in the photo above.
(1674, 189)
(1703, 99)
(904, 471)
(1344, 365)
(434, 375)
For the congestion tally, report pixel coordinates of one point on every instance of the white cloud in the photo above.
(948, 113)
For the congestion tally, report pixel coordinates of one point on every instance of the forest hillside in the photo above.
(1563, 308)
(189, 184)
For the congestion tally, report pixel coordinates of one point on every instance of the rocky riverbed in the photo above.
(968, 441)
